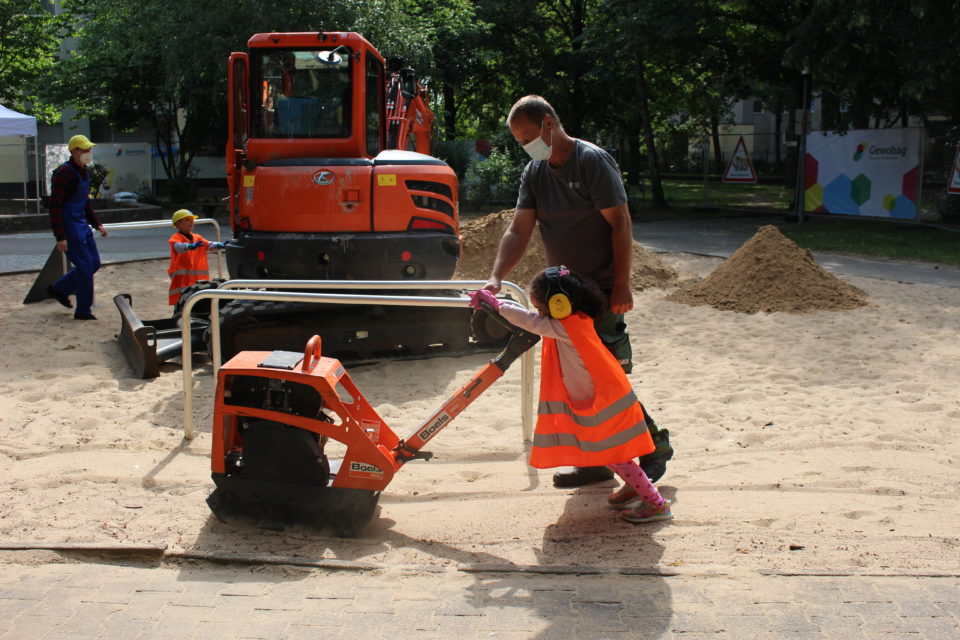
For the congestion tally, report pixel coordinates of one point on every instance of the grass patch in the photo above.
(877, 239)
(692, 194)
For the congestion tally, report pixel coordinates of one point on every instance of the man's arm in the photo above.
(512, 247)
(621, 297)
(94, 220)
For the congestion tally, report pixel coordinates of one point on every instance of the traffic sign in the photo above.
(740, 169)
(953, 184)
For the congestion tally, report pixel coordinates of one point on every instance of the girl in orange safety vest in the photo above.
(588, 414)
(187, 265)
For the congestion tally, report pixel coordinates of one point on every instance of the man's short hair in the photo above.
(533, 108)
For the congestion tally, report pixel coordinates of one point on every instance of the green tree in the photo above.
(162, 65)
(29, 41)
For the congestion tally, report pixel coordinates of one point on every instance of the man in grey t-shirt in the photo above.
(573, 191)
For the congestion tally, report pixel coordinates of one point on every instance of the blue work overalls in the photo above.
(81, 247)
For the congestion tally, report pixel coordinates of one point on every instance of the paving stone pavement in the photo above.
(63, 598)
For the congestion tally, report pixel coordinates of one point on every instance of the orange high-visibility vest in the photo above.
(186, 268)
(607, 429)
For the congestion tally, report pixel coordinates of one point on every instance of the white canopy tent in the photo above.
(13, 123)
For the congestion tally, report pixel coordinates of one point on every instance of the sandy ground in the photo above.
(826, 441)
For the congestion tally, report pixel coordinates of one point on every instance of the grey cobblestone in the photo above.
(106, 601)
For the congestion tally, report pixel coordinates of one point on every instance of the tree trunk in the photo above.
(578, 99)
(449, 112)
(715, 138)
(634, 176)
(777, 127)
(653, 161)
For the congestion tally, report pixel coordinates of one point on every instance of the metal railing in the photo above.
(241, 290)
(156, 224)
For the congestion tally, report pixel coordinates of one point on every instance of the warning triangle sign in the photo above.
(953, 184)
(740, 169)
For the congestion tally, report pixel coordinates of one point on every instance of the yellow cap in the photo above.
(180, 215)
(80, 142)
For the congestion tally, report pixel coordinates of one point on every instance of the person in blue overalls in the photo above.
(71, 218)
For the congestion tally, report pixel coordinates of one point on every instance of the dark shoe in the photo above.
(654, 468)
(579, 476)
(59, 297)
(84, 316)
(655, 464)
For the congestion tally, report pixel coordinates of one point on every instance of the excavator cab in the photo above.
(331, 178)
(324, 180)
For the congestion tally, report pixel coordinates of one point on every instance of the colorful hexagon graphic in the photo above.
(813, 199)
(909, 187)
(889, 201)
(811, 167)
(860, 189)
(859, 152)
(836, 196)
(903, 207)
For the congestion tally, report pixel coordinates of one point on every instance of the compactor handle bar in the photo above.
(520, 341)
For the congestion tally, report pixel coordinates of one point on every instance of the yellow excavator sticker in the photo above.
(387, 180)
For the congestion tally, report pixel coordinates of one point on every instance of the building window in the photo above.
(758, 106)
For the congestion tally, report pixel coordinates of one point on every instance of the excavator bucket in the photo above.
(146, 344)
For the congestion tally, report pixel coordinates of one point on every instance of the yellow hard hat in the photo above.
(180, 215)
(80, 142)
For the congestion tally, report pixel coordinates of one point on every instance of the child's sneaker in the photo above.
(623, 498)
(648, 512)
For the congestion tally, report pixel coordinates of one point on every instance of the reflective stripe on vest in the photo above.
(559, 406)
(190, 272)
(570, 440)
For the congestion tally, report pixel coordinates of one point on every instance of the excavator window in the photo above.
(374, 97)
(300, 94)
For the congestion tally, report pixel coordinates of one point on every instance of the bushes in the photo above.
(493, 180)
(948, 207)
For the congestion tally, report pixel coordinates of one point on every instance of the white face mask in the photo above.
(537, 148)
(86, 158)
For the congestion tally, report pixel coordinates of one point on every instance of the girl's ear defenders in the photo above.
(558, 302)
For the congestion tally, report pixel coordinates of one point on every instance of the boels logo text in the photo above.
(427, 432)
(323, 177)
(364, 470)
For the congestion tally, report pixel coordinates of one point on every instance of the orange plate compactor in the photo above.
(275, 414)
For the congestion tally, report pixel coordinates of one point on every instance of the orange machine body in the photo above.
(369, 462)
(328, 165)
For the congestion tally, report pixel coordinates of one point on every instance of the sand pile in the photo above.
(481, 239)
(770, 273)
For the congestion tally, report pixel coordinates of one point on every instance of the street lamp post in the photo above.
(798, 200)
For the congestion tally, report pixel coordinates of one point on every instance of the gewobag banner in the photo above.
(864, 172)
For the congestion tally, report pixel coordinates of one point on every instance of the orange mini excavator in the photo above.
(277, 412)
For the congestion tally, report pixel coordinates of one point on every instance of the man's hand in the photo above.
(62, 246)
(103, 232)
(493, 285)
(621, 299)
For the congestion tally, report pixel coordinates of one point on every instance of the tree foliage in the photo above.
(29, 41)
(623, 73)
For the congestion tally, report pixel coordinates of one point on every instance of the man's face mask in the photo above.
(86, 158)
(537, 148)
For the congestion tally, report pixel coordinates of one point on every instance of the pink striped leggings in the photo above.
(631, 473)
